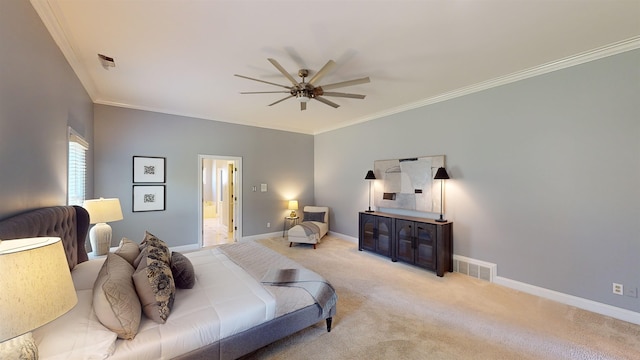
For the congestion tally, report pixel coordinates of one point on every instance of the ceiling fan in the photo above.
(305, 91)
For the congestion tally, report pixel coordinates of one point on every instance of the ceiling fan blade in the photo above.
(288, 97)
(325, 101)
(339, 94)
(265, 92)
(320, 74)
(262, 81)
(363, 80)
(283, 71)
(303, 106)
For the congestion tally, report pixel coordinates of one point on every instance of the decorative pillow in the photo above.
(156, 249)
(149, 238)
(22, 348)
(155, 287)
(128, 249)
(115, 300)
(182, 270)
(314, 216)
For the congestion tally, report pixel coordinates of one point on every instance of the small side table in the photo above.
(289, 222)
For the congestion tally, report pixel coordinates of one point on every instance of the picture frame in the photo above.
(149, 169)
(148, 198)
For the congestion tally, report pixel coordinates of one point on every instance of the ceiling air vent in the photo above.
(106, 61)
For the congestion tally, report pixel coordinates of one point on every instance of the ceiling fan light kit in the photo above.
(305, 91)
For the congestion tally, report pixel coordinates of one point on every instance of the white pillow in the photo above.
(85, 274)
(76, 335)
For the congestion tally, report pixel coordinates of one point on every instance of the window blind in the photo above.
(77, 166)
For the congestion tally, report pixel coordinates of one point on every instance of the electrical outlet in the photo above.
(631, 292)
(618, 289)
(268, 224)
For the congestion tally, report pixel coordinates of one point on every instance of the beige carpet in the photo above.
(396, 311)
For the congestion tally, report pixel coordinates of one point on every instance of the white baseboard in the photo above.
(344, 237)
(585, 304)
(185, 248)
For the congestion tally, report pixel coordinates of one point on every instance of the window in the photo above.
(77, 176)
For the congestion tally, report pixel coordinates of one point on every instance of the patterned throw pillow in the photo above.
(155, 287)
(155, 248)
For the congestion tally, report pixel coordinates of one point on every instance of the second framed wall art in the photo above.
(148, 198)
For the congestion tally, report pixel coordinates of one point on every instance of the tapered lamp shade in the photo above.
(36, 285)
(441, 175)
(293, 206)
(102, 211)
(370, 176)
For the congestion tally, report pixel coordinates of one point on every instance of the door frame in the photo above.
(237, 190)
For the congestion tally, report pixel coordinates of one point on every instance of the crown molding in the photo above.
(595, 54)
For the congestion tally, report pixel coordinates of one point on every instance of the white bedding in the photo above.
(224, 301)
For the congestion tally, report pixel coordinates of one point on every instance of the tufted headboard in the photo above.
(70, 223)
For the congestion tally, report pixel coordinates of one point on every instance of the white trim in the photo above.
(585, 304)
(595, 54)
(350, 239)
(185, 248)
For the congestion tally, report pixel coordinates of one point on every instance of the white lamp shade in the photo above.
(293, 204)
(103, 210)
(36, 285)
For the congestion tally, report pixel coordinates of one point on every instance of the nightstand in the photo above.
(289, 222)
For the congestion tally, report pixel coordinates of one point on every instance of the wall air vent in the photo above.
(475, 268)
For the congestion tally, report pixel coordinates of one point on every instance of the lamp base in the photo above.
(441, 220)
(100, 238)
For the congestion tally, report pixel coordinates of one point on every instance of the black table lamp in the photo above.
(441, 175)
(370, 176)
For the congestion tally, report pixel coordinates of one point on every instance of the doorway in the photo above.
(220, 199)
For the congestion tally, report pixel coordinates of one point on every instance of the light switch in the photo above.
(263, 187)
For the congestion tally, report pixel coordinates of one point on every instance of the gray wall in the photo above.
(282, 160)
(545, 175)
(39, 97)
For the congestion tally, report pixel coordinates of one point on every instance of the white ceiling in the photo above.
(179, 56)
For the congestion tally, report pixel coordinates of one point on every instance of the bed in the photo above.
(315, 225)
(261, 302)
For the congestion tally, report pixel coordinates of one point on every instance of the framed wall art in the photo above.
(148, 169)
(148, 198)
(408, 183)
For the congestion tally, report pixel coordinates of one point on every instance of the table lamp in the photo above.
(370, 176)
(293, 206)
(102, 211)
(36, 289)
(441, 175)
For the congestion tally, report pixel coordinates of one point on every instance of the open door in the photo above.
(219, 199)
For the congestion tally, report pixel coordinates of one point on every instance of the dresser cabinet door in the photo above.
(367, 232)
(383, 244)
(425, 235)
(404, 241)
